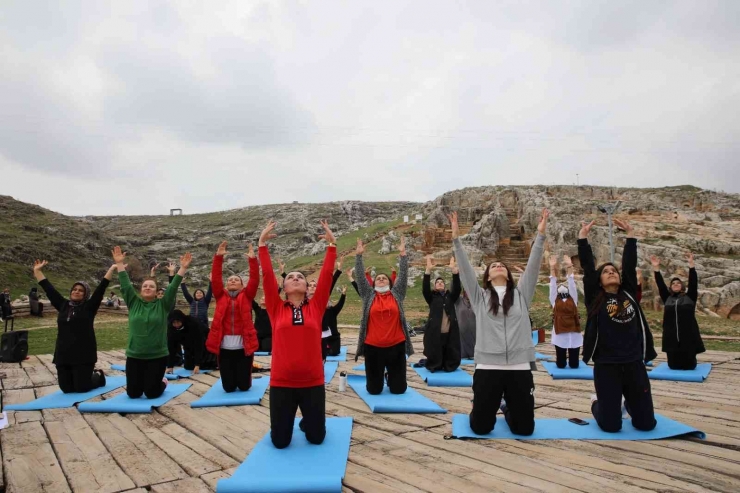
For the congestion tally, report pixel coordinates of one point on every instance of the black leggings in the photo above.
(236, 369)
(144, 376)
(377, 359)
(516, 387)
(572, 356)
(285, 401)
(444, 358)
(681, 360)
(78, 378)
(628, 379)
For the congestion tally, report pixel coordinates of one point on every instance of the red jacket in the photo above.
(233, 315)
(296, 347)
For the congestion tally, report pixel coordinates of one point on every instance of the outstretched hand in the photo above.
(453, 266)
(171, 268)
(281, 264)
(567, 261)
(222, 249)
(655, 261)
(454, 225)
(328, 235)
(39, 264)
(360, 247)
(185, 261)
(267, 233)
(585, 229)
(553, 262)
(402, 247)
(690, 258)
(626, 226)
(542, 226)
(430, 264)
(118, 255)
(250, 252)
(344, 289)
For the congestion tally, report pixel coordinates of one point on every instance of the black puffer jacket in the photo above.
(680, 328)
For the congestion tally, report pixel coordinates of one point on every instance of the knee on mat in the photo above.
(66, 390)
(611, 428)
(316, 438)
(644, 427)
(134, 395)
(524, 430)
(153, 394)
(245, 387)
(481, 429)
(280, 442)
(374, 389)
(398, 389)
(560, 364)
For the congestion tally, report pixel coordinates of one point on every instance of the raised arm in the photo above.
(127, 290)
(323, 285)
(553, 289)
(693, 289)
(209, 294)
(572, 288)
(467, 274)
(586, 258)
(186, 293)
(400, 287)
(629, 258)
(426, 289)
(528, 280)
(57, 300)
(456, 287)
(269, 282)
(97, 296)
(254, 274)
(171, 292)
(217, 271)
(363, 286)
(340, 304)
(659, 282)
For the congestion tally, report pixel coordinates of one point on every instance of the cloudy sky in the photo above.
(136, 107)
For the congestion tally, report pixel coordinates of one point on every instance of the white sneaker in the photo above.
(593, 399)
(625, 414)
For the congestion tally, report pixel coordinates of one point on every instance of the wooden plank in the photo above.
(360, 478)
(19, 397)
(188, 458)
(29, 462)
(189, 485)
(83, 457)
(192, 441)
(16, 378)
(141, 459)
(211, 479)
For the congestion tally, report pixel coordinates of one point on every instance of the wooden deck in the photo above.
(180, 449)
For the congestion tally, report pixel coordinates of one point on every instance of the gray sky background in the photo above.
(129, 108)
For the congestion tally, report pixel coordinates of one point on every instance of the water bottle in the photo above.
(342, 381)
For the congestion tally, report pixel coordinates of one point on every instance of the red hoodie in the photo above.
(233, 315)
(296, 331)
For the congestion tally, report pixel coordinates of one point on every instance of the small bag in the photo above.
(14, 346)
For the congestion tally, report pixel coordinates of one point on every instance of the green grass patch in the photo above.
(109, 337)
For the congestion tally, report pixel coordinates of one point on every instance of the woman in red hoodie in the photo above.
(232, 336)
(297, 371)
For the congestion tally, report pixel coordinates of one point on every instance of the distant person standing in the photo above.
(6, 309)
(34, 302)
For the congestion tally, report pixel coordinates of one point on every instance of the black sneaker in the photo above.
(302, 426)
(101, 377)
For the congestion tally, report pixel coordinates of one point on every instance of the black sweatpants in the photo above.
(144, 376)
(628, 379)
(78, 378)
(573, 356)
(285, 401)
(236, 369)
(265, 345)
(516, 387)
(444, 359)
(330, 347)
(681, 360)
(377, 359)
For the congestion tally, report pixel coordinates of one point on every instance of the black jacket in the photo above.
(680, 328)
(261, 321)
(439, 303)
(330, 320)
(189, 337)
(592, 288)
(76, 343)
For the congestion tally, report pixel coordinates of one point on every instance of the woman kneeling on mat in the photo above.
(681, 337)
(76, 350)
(504, 353)
(147, 350)
(297, 373)
(617, 337)
(233, 336)
(185, 334)
(384, 339)
(566, 323)
(442, 335)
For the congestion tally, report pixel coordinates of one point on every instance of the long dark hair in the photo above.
(600, 299)
(508, 297)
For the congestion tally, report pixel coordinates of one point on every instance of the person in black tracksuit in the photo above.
(617, 337)
(262, 325)
(185, 333)
(442, 334)
(681, 337)
(76, 348)
(331, 340)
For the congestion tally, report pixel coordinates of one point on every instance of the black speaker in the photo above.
(14, 346)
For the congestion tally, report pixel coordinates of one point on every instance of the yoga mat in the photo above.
(562, 429)
(698, 374)
(583, 372)
(216, 397)
(178, 372)
(540, 356)
(300, 467)
(536, 337)
(467, 361)
(457, 378)
(649, 363)
(341, 357)
(122, 403)
(330, 368)
(409, 402)
(262, 353)
(59, 399)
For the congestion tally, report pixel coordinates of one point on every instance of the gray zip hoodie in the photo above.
(499, 339)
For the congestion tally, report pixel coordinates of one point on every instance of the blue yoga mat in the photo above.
(176, 374)
(342, 356)
(540, 356)
(300, 467)
(409, 402)
(457, 378)
(330, 368)
(649, 363)
(562, 429)
(536, 337)
(698, 374)
(467, 361)
(122, 403)
(59, 399)
(583, 372)
(216, 397)
(262, 353)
